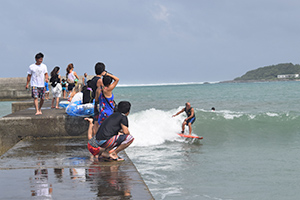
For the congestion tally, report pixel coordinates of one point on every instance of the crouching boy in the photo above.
(112, 136)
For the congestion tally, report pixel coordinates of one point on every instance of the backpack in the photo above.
(87, 95)
(93, 85)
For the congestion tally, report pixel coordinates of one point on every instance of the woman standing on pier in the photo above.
(71, 77)
(56, 86)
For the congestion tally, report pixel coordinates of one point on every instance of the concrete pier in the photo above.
(60, 168)
(46, 156)
(52, 123)
(14, 88)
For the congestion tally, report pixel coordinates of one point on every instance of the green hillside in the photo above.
(270, 72)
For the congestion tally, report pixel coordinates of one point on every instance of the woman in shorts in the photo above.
(56, 86)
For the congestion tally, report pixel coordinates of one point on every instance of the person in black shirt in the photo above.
(113, 135)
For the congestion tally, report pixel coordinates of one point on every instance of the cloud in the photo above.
(161, 13)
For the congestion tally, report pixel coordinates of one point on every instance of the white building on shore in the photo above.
(288, 76)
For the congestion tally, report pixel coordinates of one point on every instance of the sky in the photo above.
(146, 41)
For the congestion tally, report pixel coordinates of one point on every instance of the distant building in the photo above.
(288, 76)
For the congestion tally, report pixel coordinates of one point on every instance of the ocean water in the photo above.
(250, 148)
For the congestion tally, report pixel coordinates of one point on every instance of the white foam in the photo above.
(230, 115)
(153, 127)
(272, 114)
(166, 84)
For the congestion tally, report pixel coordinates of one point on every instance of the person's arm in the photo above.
(83, 81)
(98, 92)
(28, 81)
(75, 74)
(46, 77)
(114, 84)
(125, 129)
(178, 113)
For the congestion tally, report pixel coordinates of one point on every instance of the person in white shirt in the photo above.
(37, 75)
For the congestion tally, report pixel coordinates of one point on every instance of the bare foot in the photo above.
(38, 113)
(115, 157)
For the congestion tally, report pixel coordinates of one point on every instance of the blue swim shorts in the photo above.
(190, 121)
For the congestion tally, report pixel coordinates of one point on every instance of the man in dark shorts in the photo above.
(190, 117)
(112, 136)
(37, 75)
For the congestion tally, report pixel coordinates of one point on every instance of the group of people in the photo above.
(108, 132)
(37, 76)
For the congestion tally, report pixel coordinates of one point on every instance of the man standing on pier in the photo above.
(37, 75)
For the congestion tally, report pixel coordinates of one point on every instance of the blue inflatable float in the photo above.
(63, 104)
(80, 110)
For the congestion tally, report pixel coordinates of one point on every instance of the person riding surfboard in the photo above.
(190, 117)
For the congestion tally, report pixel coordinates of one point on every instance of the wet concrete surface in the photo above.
(62, 168)
(52, 123)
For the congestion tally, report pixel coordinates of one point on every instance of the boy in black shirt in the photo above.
(113, 133)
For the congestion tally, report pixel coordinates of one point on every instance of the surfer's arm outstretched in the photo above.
(178, 112)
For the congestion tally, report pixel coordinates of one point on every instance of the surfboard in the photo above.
(190, 136)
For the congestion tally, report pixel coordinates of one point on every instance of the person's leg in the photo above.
(41, 104)
(90, 130)
(121, 147)
(57, 102)
(190, 128)
(128, 139)
(96, 127)
(36, 105)
(52, 104)
(41, 95)
(183, 127)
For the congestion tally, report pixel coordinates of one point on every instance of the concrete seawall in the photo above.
(53, 123)
(55, 141)
(14, 88)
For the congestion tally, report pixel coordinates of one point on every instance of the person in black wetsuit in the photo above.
(190, 117)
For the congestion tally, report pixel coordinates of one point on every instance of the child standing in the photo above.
(64, 85)
(47, 90)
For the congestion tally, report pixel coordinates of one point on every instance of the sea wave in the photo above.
(154, 127)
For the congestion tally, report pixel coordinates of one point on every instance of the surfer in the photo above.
(190, 117)
(112, 136)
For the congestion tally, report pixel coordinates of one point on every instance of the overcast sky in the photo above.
(145, 41)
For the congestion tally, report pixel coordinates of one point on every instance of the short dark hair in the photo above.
(106, 80)
(39, 55)
(124, 107)
(89, 83)
(99, 68)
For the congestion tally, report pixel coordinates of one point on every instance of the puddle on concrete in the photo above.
(63, 169)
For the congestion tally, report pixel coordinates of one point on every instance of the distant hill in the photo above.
(270, 72)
